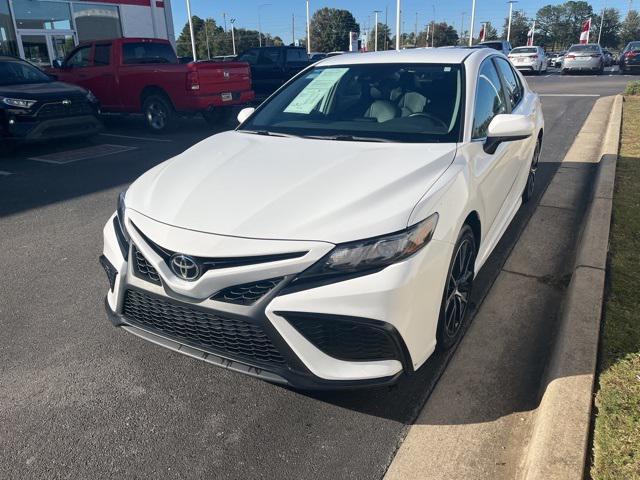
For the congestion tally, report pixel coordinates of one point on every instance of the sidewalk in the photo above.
(479, 419)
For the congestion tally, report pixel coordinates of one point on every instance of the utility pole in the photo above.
(510, 2)
(224, 16)
(433, 31)
(426, 43)
(473, 19)
(293, 29)
(461, 40)
(259, 23)
(206, 36)
(309, 31)
(233, 36)
(397, 25)
(415, 32)
(601, 24)
(386, 24)
(375, 48)
(193, 39)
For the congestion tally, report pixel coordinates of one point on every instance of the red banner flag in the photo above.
(482, 33)
(584, 33)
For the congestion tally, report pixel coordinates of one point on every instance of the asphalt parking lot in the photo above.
(81, 399)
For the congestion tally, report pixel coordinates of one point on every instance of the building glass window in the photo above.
(7, 35)
(38, 15)
(96, 22)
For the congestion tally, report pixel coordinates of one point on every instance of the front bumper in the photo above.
(34, 130)
(393, 311)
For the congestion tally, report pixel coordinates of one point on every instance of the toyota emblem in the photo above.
(185, 267)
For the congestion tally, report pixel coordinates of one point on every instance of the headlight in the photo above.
(19, 102)
(365, 256)
(91, 97)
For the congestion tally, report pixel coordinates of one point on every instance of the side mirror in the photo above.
(508, 128)
(245, 113)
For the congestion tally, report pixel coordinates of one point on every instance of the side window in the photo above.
(489, 99)
(296, 55)
(79, 58)
(512, 82)
(148, 53)
(250, 56)
(269, 56)
(102, 55)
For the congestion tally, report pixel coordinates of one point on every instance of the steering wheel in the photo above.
(433, 119)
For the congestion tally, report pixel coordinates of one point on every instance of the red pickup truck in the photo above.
(141, 75)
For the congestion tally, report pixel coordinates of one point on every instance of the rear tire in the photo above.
(457, 290)
(159, 115)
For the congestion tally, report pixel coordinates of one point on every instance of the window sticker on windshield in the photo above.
(319, 87)
(447, 69)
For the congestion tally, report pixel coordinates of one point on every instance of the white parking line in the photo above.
(568, 95)
(146, 139)
(70, 156)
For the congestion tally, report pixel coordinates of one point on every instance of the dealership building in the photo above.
(44, 30)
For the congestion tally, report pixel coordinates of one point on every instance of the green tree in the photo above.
(444, 35)
(610, 36)
(559, 26)
(491, 33)
(330, 29)
(520, 26)
(384, 38)
(630, 28)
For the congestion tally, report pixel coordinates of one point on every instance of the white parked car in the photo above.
(333, 238)
(531, 59)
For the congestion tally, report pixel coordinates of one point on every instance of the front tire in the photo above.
(531, 178)
(457, 290)
(158, 113)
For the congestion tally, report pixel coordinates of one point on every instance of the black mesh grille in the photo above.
(53, 110)
(234, 338)
(344, 339)
(247, 293)
(143, 268)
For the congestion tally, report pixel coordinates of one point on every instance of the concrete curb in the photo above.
(559, 441)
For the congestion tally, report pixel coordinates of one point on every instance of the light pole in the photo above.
(375, 48)
(206, 36)
(398, 25)
(308, 31)
(193, 40)
(462, 28)
(233, 36)
(259, 24)
(433, 32)
(473, 19)
(510, 2)
(601, 25)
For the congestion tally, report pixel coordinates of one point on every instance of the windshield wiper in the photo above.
(267, 133)
(348, 138)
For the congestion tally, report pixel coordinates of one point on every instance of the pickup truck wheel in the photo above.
(158, 113)
(218, 116)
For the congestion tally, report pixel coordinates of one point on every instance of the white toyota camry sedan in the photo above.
(333, 238)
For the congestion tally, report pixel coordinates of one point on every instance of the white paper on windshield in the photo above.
(319, 87)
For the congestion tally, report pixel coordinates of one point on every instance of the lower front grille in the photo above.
(230, 337)
(345, 338)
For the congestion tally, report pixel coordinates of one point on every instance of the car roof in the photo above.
(415, 55)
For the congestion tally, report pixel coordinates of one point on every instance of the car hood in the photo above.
(256, 186)
(41, 91)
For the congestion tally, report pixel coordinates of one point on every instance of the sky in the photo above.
(276, 15)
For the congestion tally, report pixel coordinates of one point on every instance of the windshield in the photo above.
(633, 46)
(585, 48)
(16, 73)
(409, 103)
(524, 50)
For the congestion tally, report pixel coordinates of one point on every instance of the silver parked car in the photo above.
(584, 58)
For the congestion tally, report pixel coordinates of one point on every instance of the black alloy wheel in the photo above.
(158, 113)
(531, 179)
(457, 292)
